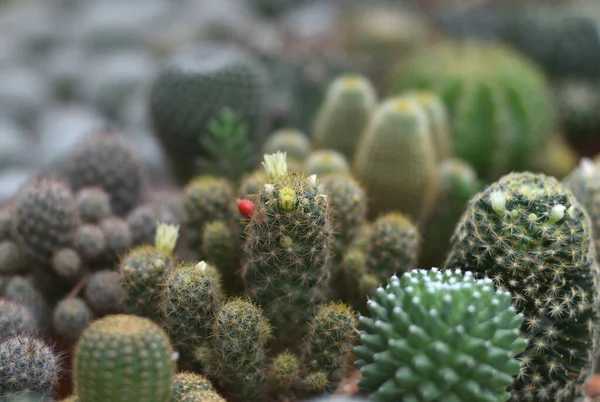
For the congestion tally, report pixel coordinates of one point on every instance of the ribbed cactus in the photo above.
(349, 103)
(396, 161)
(529, 234)
(499, 103)
(439, 336)
(287, 248)
(123, 358)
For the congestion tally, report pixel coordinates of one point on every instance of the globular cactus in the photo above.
(15, 319)
(557, 158)
(294, 143)
(5, 222)
(458, 184)
(345, 113)
(191, 296)
(144, 219)
(287, 248)
(11, 258)
(438, 335)
(577, 103)
(67, 263)
(194, 87)
(104, 292)
(396, 161)
(202, 396)
(71, 316)
(326, 161)
(107, 161)
(28, 364)
(393, 246)
(329, 344)
(186, 382)
(252, 184)
(93, 204)
(21, 290)
(205, 199)
(220, 249)
(530, 235)
(284, 371)
(123, 358)
(89, 242)
(118, 238)
(44, 217)
(237, 358)
(498, 102)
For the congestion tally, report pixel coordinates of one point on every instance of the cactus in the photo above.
(71, 316)
(5, 223)
(186, 382)
(556, 159)
(93, 204)
(498, 102)
(89, 242)
(206, 198)
(143, 221)
(15, 319)
(283, 371)
(123, 358)
(326, 161)
(219, 247)
(11, 260)
(530, 235)
(237, 351)
(104, 292)
(202, 396)
(67, 263)
(44, 217)
(294, 143)
(27, 364)
(439, 335)
(287, 248)
(393, 246)
(395, 160)
(330, 341)
(191, 296)
(458, 184)
(194, 87)
(21, 290)
(107, 161)
(118, 238)
(252, 184)
(578, 102)
(349, 103)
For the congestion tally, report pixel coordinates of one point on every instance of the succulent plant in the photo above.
(71, 316)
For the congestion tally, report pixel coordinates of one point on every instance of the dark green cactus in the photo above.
(439, 335)
(107, 161)
(123, 358)
(15, 319)
(530, 235)
(71, 316)
(287, 246)
(105, 293)
(326, 161)
(93, 204)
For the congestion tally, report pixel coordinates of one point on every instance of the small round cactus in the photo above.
(104, 292)
(90, 241)
(326, 161)
(71, 316)
(118, 237)
(66, 263)
(15, 319)
(21, 290)
(284, 371)
(186, 382)
(294, 143)
(93, 204)
(11, 260)
(123, 358)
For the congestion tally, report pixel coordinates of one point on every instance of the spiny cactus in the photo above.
(15, 319)
(186, 382)
(287, 247)
(439, 335)
(396, 161)
(11, 258)
(530, 235)
(118, 238)
(107, 161)
(191, 296)
(28, 364)
(67, 263)
(252, 184)
(123, 358)
(283, 371)
(326, 161)
(21, 290)
(220, 249)
(93, 204)
(44, 217)
(294, 143)
(89, 241)
(193, 89)
(71, 316)
(105, 293)
(498, 102)
(202, 396)
(349, 103)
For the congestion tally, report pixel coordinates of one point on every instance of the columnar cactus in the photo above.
(123, 358)
(287, 247)
(530, 235)
(438, 335)
(396, 160)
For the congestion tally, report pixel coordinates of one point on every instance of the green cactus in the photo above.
(67, 263)
(439, 335)
(107, 161)
(220, 249)
(396, 161)
(343, 116)
(206, 199)
(186, 382)
(530, 235)
(458, 184)
(44, 217)
(195, 86)
(237, 356)
(90, 242)
(123, 358)
(326, 161)
(71, 316)
(191, 296)
(393, 246)
(356, 283)
(105, 293)
(11, 258)
(15, 319)
(252, 184)
(93, 204)
(283, 371)
(330, 340)
(287, 247)
(499, 103)
(294, 143)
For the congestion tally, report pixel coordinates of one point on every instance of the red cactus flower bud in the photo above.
(246, 207)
